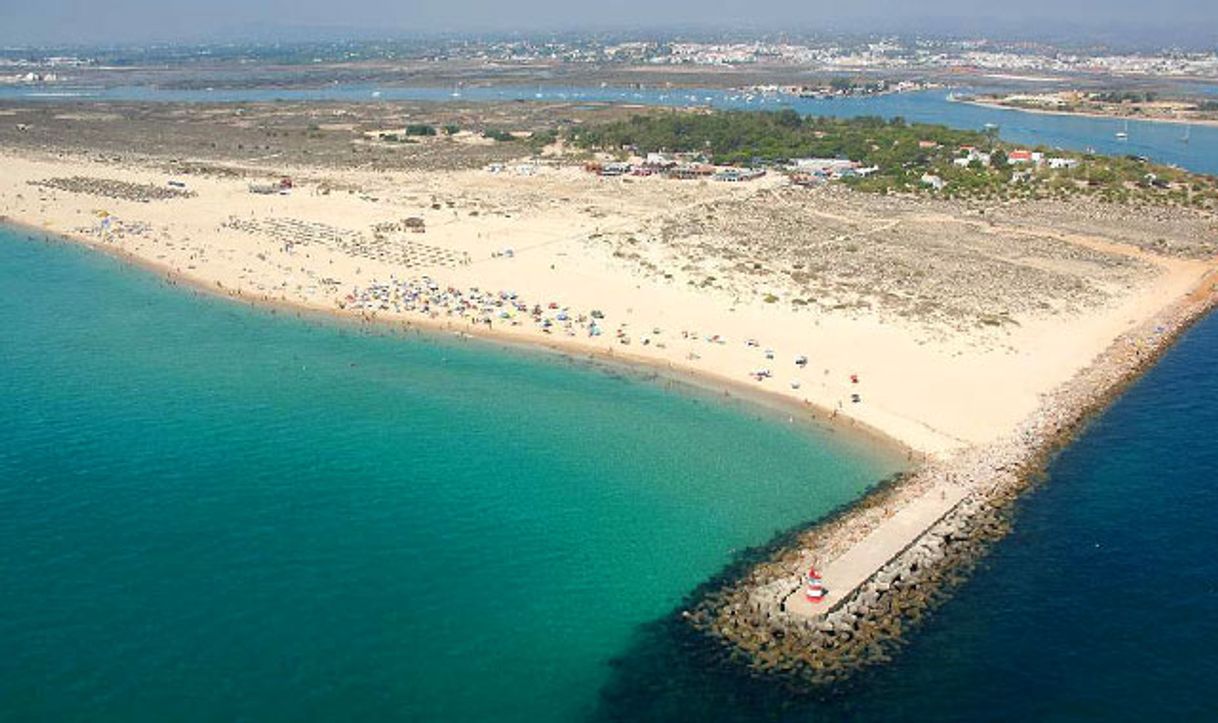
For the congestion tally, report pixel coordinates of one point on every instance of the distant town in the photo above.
(829, 54)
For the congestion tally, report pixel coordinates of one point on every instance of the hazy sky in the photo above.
(100, 21)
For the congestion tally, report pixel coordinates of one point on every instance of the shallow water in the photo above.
(212, 512)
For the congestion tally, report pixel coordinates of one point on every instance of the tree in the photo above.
(840, 84)
(788, 118)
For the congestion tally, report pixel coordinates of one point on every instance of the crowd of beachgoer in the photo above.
(423, 295)
(490, 309)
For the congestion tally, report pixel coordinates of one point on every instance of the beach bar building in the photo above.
(690, 171)
(736, 175)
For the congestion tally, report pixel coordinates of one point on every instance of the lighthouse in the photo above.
(814, 588)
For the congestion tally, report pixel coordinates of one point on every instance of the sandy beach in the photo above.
(1089, 114)
(972, 335)
(568, 244)
(947, 328)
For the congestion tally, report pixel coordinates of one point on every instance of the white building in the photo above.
(973, 155)
(935, 182)
(822, 165)
(1058, 164)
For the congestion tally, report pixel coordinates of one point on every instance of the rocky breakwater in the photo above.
(754, 616)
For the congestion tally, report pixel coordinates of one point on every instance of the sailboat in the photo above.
(1185, 137)
(1123, 134)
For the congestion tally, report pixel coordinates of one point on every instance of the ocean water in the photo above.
(213, 512)
(1162, 142)
(1102, 605)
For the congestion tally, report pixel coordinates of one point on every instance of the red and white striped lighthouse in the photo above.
(814, 588)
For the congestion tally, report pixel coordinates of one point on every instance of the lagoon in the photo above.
(1161, 142)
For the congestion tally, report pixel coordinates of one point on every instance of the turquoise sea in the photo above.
(214, 512)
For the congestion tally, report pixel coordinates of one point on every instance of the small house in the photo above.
(658, 160)
(690, 171)
(935, 182)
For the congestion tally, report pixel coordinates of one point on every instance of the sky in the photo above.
(33, 22)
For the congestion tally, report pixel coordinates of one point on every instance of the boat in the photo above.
(1184, 138)
(1123, 134)
(814, 587)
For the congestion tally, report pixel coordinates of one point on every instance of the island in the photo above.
(967, 299)
(1123, 104)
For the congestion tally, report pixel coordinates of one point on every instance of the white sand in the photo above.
(934, 394)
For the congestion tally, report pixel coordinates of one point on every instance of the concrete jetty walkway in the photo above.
(845, 574)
